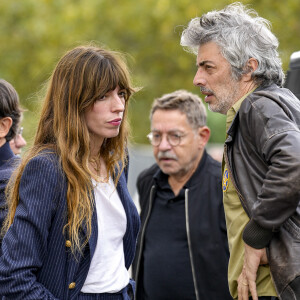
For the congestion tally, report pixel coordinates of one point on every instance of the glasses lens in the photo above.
(150, 136)
(154, 138)
(20, 131)
(174, 139)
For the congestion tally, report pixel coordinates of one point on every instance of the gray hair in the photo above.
(189, 104)
(241, 34)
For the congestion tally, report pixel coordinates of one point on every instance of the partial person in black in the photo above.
(10, 116)
(182, 250)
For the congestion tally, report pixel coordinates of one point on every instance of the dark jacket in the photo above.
(8, 162)
(36, 261)
(207, 237)
(262, 152)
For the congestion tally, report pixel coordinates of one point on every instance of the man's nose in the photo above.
(199, 79)
(20, 142)
(164, 144)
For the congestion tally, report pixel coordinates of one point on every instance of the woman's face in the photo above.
(104, 118)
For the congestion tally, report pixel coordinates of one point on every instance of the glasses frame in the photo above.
(150, 138)
(20, 130)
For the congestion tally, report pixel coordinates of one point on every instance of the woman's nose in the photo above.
(118, 103)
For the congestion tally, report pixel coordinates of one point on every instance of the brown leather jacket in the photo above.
(262, 152)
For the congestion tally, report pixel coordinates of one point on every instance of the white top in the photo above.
(107, 272)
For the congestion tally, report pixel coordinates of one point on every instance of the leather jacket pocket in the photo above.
(284, 253)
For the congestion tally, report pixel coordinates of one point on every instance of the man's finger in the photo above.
(252, 287)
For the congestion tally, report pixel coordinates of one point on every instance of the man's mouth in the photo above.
(208, 93)
(166, 156)
(208, 97)
(166, 159)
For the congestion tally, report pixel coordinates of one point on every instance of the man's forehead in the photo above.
(169, 125)
(209, 55)
(209, 52)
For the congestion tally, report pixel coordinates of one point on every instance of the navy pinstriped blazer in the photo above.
(36, 261)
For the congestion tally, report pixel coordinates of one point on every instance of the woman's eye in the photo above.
(122, 94)
(103, 97)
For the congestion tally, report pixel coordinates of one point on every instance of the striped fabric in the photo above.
(36, 261)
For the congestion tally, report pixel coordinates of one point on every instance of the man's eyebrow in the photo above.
(175, 130)
(202, 63)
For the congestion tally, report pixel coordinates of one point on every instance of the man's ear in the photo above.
(204, 134)
(5, 124)
(251, 66)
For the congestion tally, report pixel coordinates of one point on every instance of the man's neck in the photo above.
(246, 89)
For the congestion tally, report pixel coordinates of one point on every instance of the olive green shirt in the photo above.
(236, 220)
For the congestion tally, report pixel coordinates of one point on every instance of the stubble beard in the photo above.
(225, 101)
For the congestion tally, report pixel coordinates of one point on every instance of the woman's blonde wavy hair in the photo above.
(82, 76)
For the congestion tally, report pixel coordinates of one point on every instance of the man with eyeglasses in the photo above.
(10, 116)
(18, 142)
(182, 250)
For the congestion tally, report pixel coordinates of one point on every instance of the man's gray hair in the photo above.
(189, 104)
(241, 34)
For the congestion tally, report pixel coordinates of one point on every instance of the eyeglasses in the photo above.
(20, 131)
(173, 139)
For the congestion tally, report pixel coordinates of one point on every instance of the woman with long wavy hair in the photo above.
(71, 227)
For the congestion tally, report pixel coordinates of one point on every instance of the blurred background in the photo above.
(35, 34)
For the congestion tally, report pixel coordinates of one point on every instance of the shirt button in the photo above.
(72, 285)
(68, 244)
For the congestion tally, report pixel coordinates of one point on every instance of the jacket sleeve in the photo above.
(277, 139)
(25, 243)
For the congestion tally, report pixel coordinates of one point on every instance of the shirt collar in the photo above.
(5, 153)
(234, 109)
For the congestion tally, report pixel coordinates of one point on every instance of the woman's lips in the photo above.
(115, 122)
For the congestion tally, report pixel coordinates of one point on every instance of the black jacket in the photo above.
(207, 237)
(8, 162)
(262, 153)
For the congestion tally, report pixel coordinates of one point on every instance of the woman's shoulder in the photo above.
(43, 173)
(46, 163)
(46, 155)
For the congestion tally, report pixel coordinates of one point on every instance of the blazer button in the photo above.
(68, 244)
(72, 285)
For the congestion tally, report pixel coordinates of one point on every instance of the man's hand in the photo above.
(246, 281)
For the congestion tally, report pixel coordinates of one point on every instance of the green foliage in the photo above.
(35, 34)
